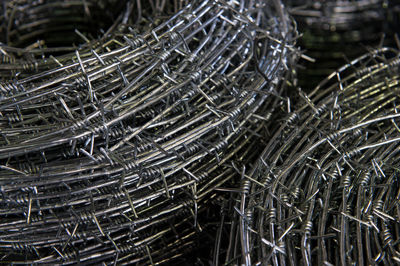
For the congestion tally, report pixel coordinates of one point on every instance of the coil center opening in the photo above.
(57, 23)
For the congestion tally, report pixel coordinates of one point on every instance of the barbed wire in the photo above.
(325, 189)
(111, 150)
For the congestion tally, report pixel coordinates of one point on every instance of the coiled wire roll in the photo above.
(112, 153)
(334, 31)
(325, 189)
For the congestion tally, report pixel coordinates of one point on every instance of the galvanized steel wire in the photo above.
(111, 149)
(325, 189)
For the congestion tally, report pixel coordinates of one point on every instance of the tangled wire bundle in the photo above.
(333, 29)
(325, 190)
(110, 153)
